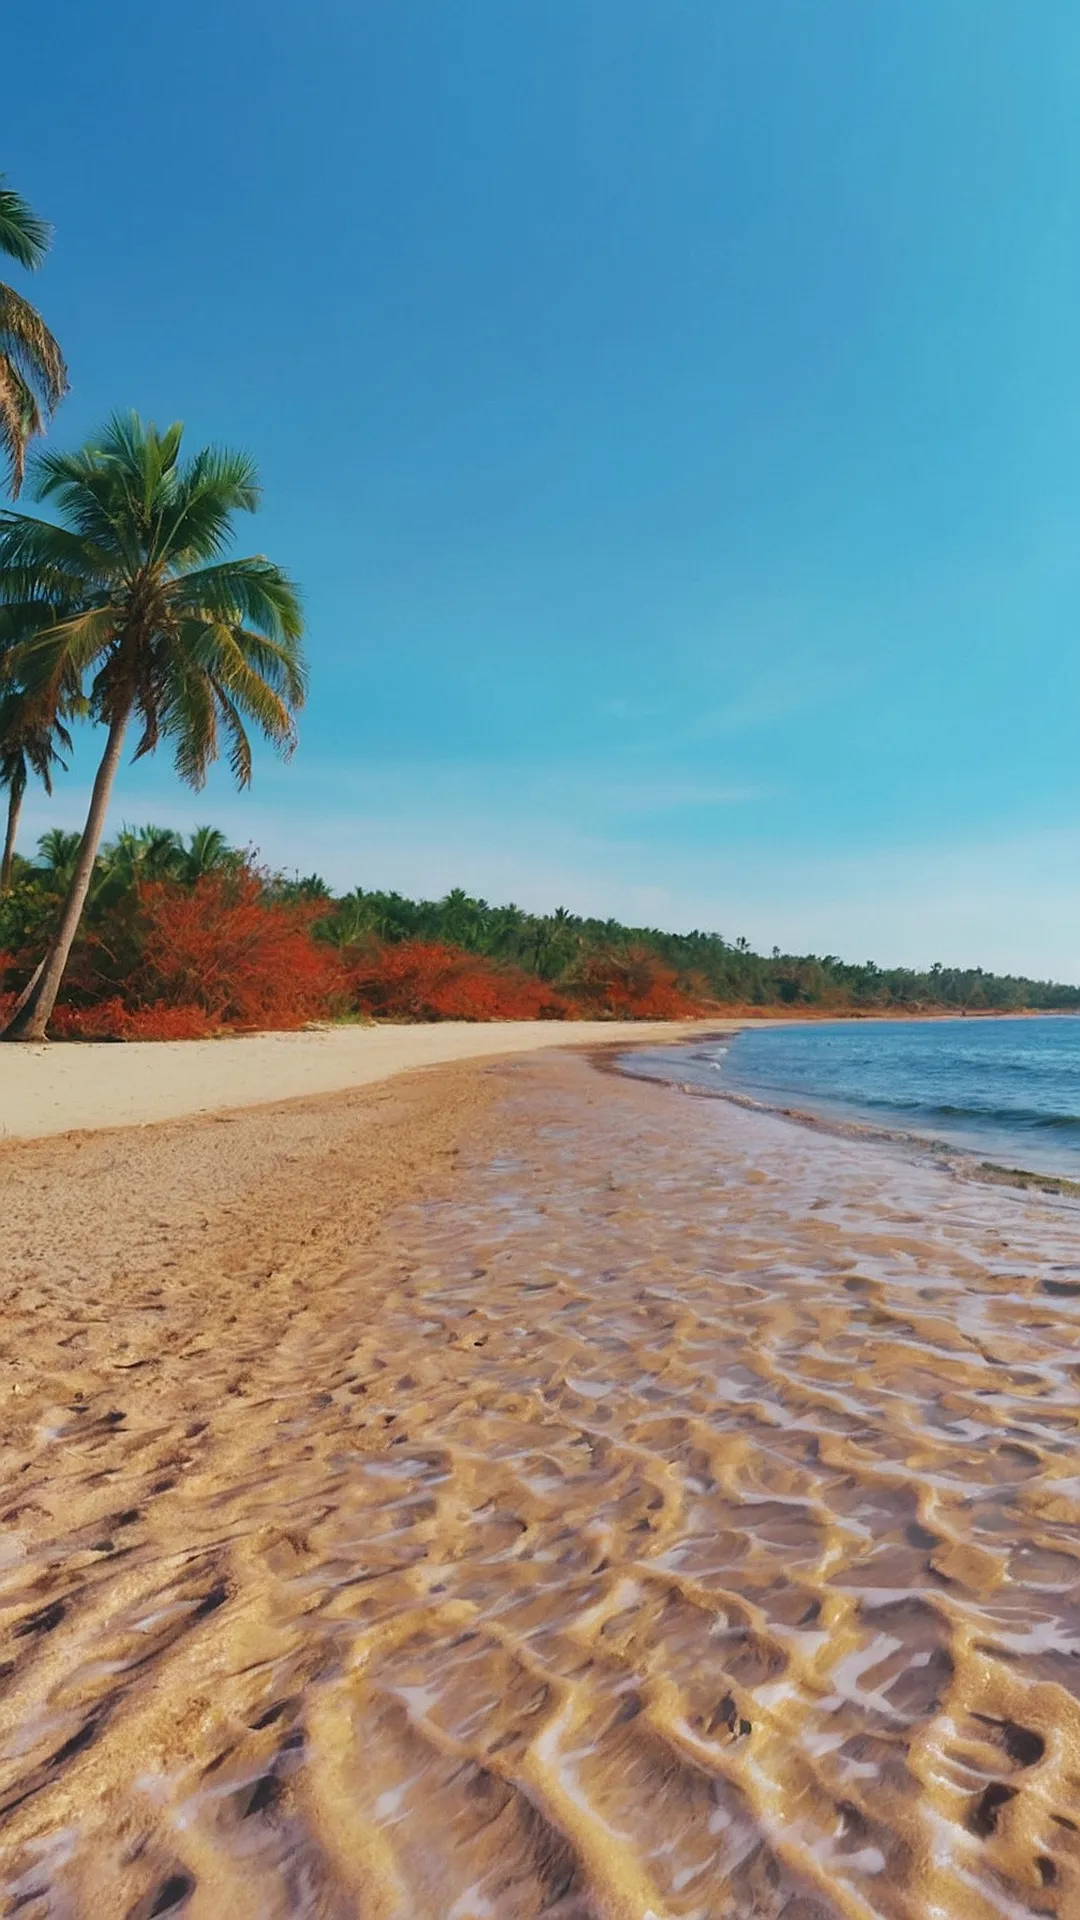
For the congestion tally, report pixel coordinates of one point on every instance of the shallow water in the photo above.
(688, 1529)
(1007, 1090)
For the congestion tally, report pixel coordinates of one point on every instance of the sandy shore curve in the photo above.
(79, 1086)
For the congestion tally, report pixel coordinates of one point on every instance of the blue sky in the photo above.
(670, 408)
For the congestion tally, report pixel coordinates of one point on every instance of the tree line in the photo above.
(553, 945)
(602, 965)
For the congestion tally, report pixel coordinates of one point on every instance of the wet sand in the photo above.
(521, 1491)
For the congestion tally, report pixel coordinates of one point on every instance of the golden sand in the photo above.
(660, 1510)
(58, 1088)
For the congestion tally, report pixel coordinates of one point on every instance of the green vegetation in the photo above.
(128, 611)
(28, 744)
(553, 946)
(456, 956)
(33, 377)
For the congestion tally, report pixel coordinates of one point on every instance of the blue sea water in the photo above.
(1005, 1090)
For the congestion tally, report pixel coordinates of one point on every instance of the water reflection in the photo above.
(684, 1523)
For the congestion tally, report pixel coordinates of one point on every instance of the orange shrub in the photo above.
(426, 980)
(175, 962)
(112, 1020)
(241, 959)
(632, 985)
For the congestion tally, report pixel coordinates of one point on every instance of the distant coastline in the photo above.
(187, 938)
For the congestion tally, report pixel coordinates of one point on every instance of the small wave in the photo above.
(954, 1112)
(1010, 1116)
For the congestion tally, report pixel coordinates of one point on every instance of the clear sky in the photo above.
(671, 411)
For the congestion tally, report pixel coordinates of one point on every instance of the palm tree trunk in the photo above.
(29, 988)
(31, 1019)
(15, 800)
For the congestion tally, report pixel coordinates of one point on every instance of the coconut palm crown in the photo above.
(28, 744)
(33, 377)
(129, 602)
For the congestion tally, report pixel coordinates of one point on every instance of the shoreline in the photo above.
(988, 1159)
(963, 1163)
(59, 1087)
(79, 1086)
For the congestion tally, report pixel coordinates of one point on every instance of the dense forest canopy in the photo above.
(550, 945)
(168, 915)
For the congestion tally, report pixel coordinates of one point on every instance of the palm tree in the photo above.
(461, 918)
(208, 851)
(140, 602)
(33, 377)
(139, 853)
(29, 744)
(58, 852)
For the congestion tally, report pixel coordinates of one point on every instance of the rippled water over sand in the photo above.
(690, 1530)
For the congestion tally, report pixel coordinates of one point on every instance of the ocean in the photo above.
(1007, 1091)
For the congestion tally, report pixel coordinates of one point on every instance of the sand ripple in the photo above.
(690, 1530)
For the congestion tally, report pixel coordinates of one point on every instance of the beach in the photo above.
(512, 1489)
(57, 1088)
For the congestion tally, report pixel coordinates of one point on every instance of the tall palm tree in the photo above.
(33, 377)
(143, 606)
(29, 743)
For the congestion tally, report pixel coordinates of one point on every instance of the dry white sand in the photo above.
(64, 1087)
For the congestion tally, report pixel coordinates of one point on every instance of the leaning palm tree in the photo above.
(145, 612)
(29, 743)
(33, 377)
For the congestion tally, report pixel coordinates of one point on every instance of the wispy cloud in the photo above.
(772, 699)
(638, 797)
(621, 709)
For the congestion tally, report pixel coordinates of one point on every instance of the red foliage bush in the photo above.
(425, 980)
(223, 949)
(174, 962)
(112, 1020)
(632, 985)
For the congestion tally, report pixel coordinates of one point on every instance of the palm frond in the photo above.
(215, 650)
(14, 772)
(140, 464)
(42, 549)
(247, 689)
(227, 472)
(242, 591)
(25, 339)
(211, 489)
(240, 759)
(20, 419)
(19, 621)
(279, 663)
(51, 663)
(23, 237)
(92, 500)
(30, 740)
(188, 717)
